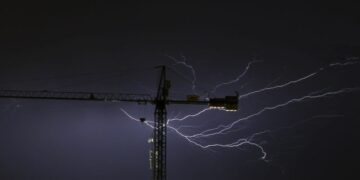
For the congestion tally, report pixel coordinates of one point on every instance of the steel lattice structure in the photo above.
(158, 151)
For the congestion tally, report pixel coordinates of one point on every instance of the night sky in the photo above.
(96, 46)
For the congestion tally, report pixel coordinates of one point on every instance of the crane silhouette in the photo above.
(158, 151)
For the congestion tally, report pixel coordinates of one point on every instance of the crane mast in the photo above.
(158, 150)
(160, 127)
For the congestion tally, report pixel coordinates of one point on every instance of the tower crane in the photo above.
(158, 151)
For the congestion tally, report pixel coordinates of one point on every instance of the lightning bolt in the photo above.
(229, 128)
(270, 108)
(279, 86)
(237, 143)
(188, 116)
(241, 141)
(148, 123)
(236, 79)
(297, 80)
(344, 64)
(190, 67)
